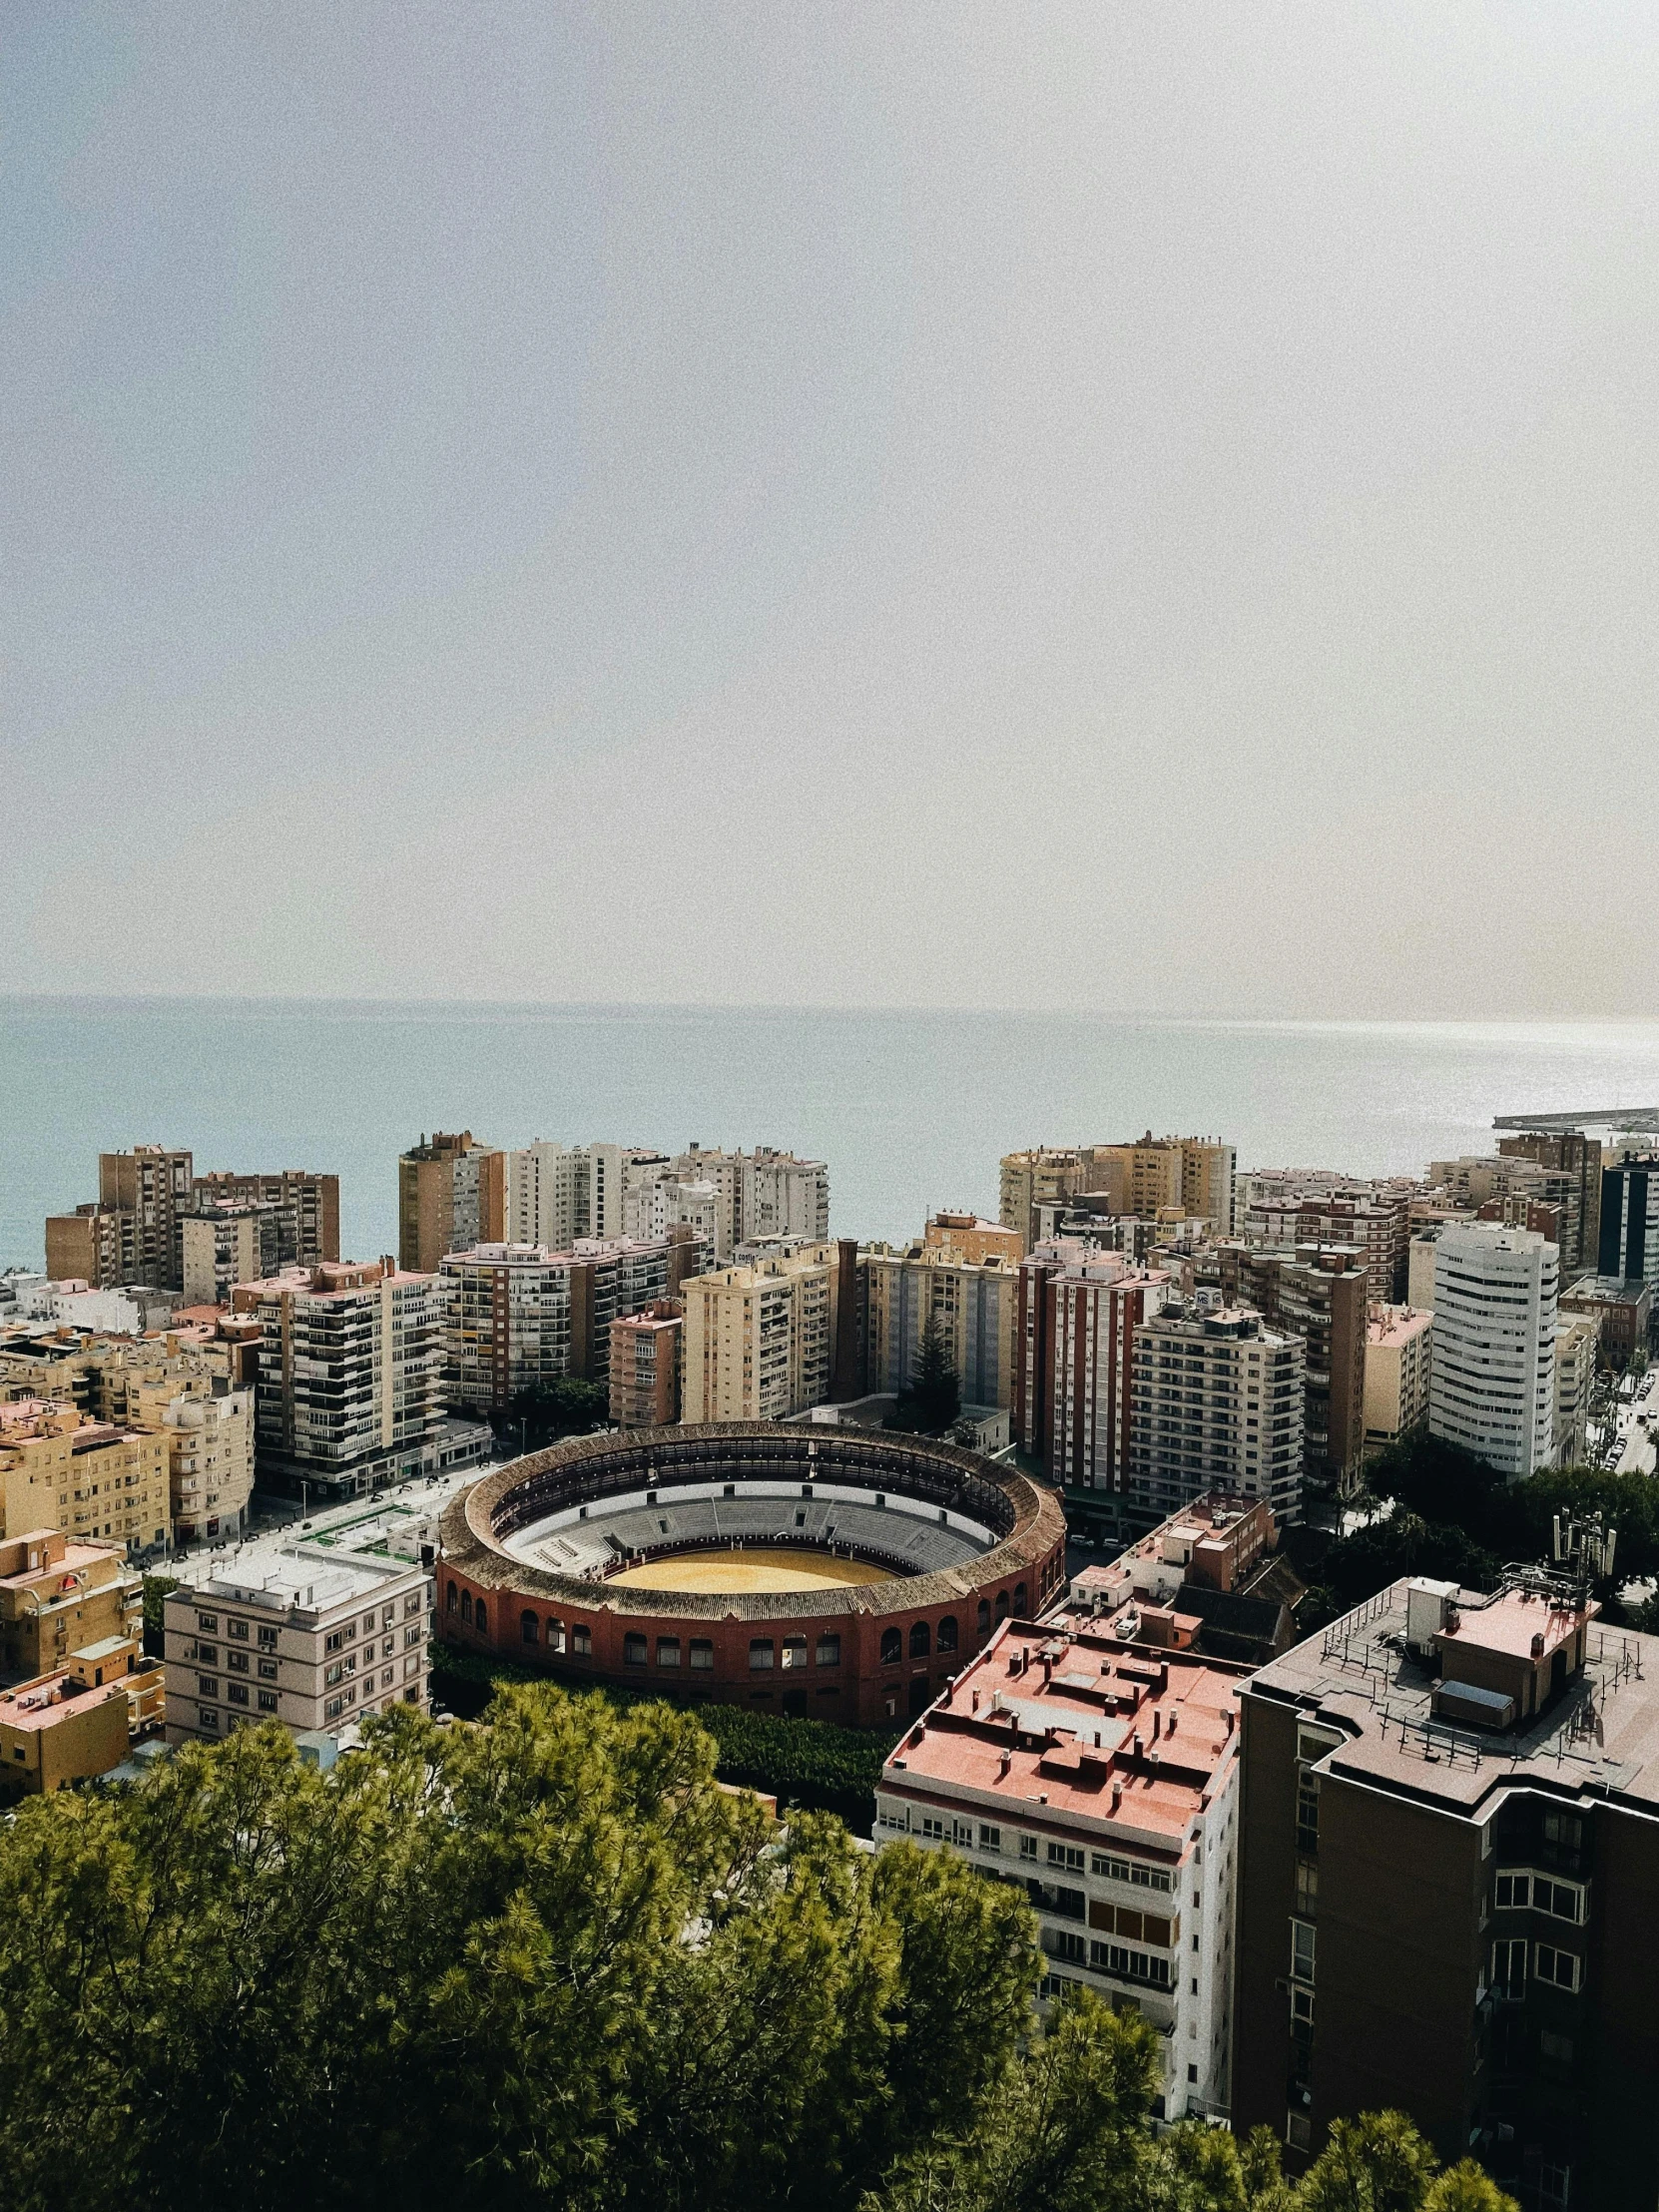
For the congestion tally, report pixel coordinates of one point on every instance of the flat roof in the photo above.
(1600, 1736)
(1059, 1720)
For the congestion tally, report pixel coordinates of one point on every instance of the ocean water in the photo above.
(912, 1110)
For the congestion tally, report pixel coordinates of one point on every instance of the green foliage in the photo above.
(799, 1762)
(545, 1962)
(156, 1587)
(567, 1405)
(933, 1398)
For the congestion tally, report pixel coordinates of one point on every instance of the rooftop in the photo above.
(1393, 1325)
(41, 1704)
(1121, 1740)
(1598, 1735)
(1606, 1290)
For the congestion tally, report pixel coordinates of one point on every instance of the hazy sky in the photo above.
(1144, 507)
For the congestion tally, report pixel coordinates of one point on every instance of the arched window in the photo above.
(918, 1695)
(1019, 1599)
(1002, 1605)
(947, 1638)
(527, 1627)
(760, 1654)
(919, 1640)
(480, 1618)
(466, 1605)
(984, 1616)
(555, 1635)
(454, 1597)
(633, 1650)
(892, 1647)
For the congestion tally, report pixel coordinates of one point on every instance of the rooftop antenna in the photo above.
(1585, 1547)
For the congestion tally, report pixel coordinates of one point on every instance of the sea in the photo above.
(911, 1110)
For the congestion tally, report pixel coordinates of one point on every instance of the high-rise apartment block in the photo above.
(350, 1389)
(1319, 1292)
(1173, 1177)
(970, 1306)
(760, 1343)
(1623, 1312)
(1217, 1402)
(1572, 1153)
(1492, 1391)
(644, 1365)
(135, 1230)
(452, 1195)
(313, 1646)
(519, 1317)
(1373, 1217)
(1400, 1356)
(1095, 1305)
(1044, 1176)
(1449, 1855)
(1100, 1779)
(1629, 1232)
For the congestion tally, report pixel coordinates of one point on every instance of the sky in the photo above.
(1098, 507)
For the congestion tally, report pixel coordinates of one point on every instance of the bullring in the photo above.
(594, 1558)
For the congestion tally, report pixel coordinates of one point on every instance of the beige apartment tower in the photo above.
(760, 1342)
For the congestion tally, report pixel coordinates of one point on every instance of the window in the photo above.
(1028, 1847)
(1563, 1830)
(1019, 1599)
(479, 1617)
(235, 1693)
(205, 1686)
(1308, 1814)
(1002, 1605)
(1556, 2049)
(990, 1839)
(368, 1624)
(795, 1651)
(528, 1628)
(947, 1638)
(207, 1717)
(1301, 1951)
(1302, 2008)
(984, 1616)
(919, 1640)
(466, 1605)
(760, 1654)
(1129, 1869)
(1307, 1885)
(829, 1651)
(932, 1829)
(411, 1636)
(454, 1597)
(237, 1661)
(1519, 1888)
(892, 1647)
(388, 1613)
(268, 1701)
(208, 1654)
(239, 1629)
(208, 1623)
(267, 1639)
(1298, 2131)
(668, 1651)
(1509, 1965)
(702, 1653)
(1560, 1967)
(268, 1670)
(1062, 1943)
(633, 1649)
(581, 1642)
(1068, 1856)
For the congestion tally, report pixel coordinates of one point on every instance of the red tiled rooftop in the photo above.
(1510, 1624)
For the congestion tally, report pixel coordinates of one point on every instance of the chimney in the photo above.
(1156, 1722)
(1139, 1747)
(1169, 1731)
(1004, 1761)
(977, 1701)
(1117, 1795)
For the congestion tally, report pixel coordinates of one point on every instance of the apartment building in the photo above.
(1206, 1580)
(1570, 1152)
(1492, 1387)
(662, 1205)
(644, 1365)
(1523, 1193)
(1102, 1782)
(1217, 1401)
(557, 1194)
(1628, 1248)
(72, 1724)
(1576, 1343)
(58, 1597)
(210, 1453)
(970, 1304)
(1400, 1356)
(1448, 1853)
(1190, 1176)
(312, 1646)
(760, 1343)
(1621, 1312)
(133, 1230)
(968, 1236)
(90, 1478)
(1045, 1175)
(1096, 1305)
(452, 1195)
(351, 1388)
(1319, 1292)
(1373, 1217)
(225, 1243)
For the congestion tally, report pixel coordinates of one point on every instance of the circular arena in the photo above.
(838, 1572)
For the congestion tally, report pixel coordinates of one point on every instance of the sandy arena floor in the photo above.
(753, 1569)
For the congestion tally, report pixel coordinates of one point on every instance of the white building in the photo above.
(1101, 1780)
(1492, 1387)
(312, 1646)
